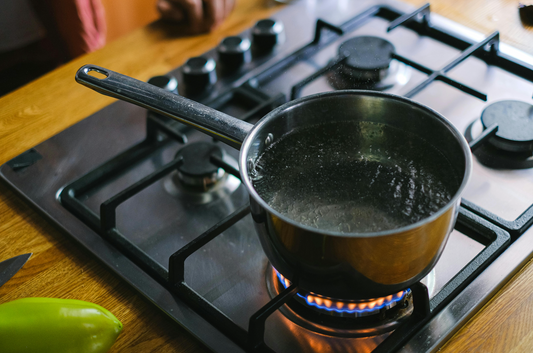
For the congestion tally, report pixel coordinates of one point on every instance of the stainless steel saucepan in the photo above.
(369, 129)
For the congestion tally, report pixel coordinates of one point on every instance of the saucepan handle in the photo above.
(228, 129)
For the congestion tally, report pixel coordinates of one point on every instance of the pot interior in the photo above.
(355, 162)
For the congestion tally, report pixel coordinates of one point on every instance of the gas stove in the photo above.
(162, 204)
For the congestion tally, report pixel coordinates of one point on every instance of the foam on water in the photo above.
(353, 177)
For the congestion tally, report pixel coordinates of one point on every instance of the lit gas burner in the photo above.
(357, 308)
(197, 179)
(346, 318)
(369, 65)
(512, 146)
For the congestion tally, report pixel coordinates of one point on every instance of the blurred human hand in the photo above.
(197, 16)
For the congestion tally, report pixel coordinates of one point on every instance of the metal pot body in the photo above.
(352, 267)
(355, 266)
(337, 265)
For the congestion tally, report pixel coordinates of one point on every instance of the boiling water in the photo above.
(353, 177)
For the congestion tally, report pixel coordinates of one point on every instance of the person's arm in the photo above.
(74, 27)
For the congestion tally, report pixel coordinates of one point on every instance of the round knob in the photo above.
(233, 52)
(166, 82)
(199, 73)
(267, 33)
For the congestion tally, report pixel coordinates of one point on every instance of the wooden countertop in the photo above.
(61, 268)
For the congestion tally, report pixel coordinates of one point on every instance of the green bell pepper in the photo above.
(57, 326)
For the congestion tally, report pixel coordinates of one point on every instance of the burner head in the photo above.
(197, 171)
(515, 125)
(369, 65)
(197, 180)
(369, 57)
(343, 318)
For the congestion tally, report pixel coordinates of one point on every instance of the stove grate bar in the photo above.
(516, 227)
(490, 55)
(252, 340)
(461, 86)
(212, 314)
(440, 75)
(434, 75)
(496, 239)
(297, 88)
(177, 260)
(321, 39)
(105, 225)
(256, 101)
(424, 69)
(421, 11)
(320, 25)
(264, 108)
(245, 94)
(470, 224)
(176, 282)
(487, 50)
(155, 122)
(109, 231)
(483, 137)
(256, 327)
(219, 162)
(108, 207)
(421, 314)
(69, 196)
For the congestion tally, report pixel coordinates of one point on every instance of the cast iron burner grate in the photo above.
(424, 308)
(341, 318)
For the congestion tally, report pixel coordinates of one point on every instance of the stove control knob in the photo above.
(266, 34)
(199, 73)
(233, 52)
(166, 82)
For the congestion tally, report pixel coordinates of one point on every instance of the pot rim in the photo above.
(251, 137)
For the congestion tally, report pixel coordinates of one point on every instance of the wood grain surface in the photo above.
(63, 269)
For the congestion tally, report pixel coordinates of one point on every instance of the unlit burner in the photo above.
(512, 146)
(197, 170)
(197, 179)
(368, 65)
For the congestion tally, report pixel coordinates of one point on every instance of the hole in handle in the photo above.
(94, 72)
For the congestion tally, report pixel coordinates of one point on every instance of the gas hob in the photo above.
(182, 235)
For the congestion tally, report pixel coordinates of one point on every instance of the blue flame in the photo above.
(345, 310)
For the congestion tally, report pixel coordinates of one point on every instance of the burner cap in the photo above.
(197, 180)
(367, 53)
(196, 161)
(515, 125)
